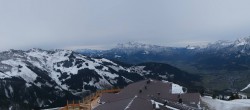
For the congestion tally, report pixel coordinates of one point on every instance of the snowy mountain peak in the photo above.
(135, 45)
(240, 46)
(220, 43)
(242, 41)
(36, 49)
(192, 47)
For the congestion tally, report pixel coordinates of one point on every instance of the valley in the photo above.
(222, 64)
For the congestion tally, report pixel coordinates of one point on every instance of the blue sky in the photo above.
(101, 24)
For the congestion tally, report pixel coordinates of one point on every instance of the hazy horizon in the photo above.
(62, 24)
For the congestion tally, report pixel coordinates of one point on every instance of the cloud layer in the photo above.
(101, 24)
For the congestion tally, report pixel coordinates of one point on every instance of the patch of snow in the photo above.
(2, 75)
(106, 60)
(40, 102)
(114, 68)
(245, 101)
(6, 93)
(248, 86)
(177, 89)
(127, 80)
(117, 56)
(224, 42)
(25, 73)
(146, 52)
(39, 84)
(48, 84)
(163, 76)
(191, 47)
(11, 90)
(138, 69)
(104, 73)
(164, 81)
(216, 104)
(240, 42)
(105, 68)
(10, 108)
(27, 85)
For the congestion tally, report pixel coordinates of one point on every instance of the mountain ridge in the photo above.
(217, 60)
(46, 78)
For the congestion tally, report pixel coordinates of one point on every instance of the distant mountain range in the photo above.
(40, 78)
(133, 52)
(224, 64)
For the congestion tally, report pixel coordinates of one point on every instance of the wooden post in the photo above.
(73, 104)
(90, 106)
(67, 107)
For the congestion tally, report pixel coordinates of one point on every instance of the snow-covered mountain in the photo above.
(222, 57)
(60, 71)
(241, 45)
(41, 78)
(138, 46)
(237, 51)
(218, 45)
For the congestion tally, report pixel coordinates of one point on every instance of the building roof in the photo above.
(138, 96)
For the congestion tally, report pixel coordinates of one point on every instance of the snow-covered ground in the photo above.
(216, 104)
(177, 89)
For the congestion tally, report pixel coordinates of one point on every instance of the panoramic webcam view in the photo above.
(124, 55)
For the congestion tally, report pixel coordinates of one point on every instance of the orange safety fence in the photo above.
(85, 104)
